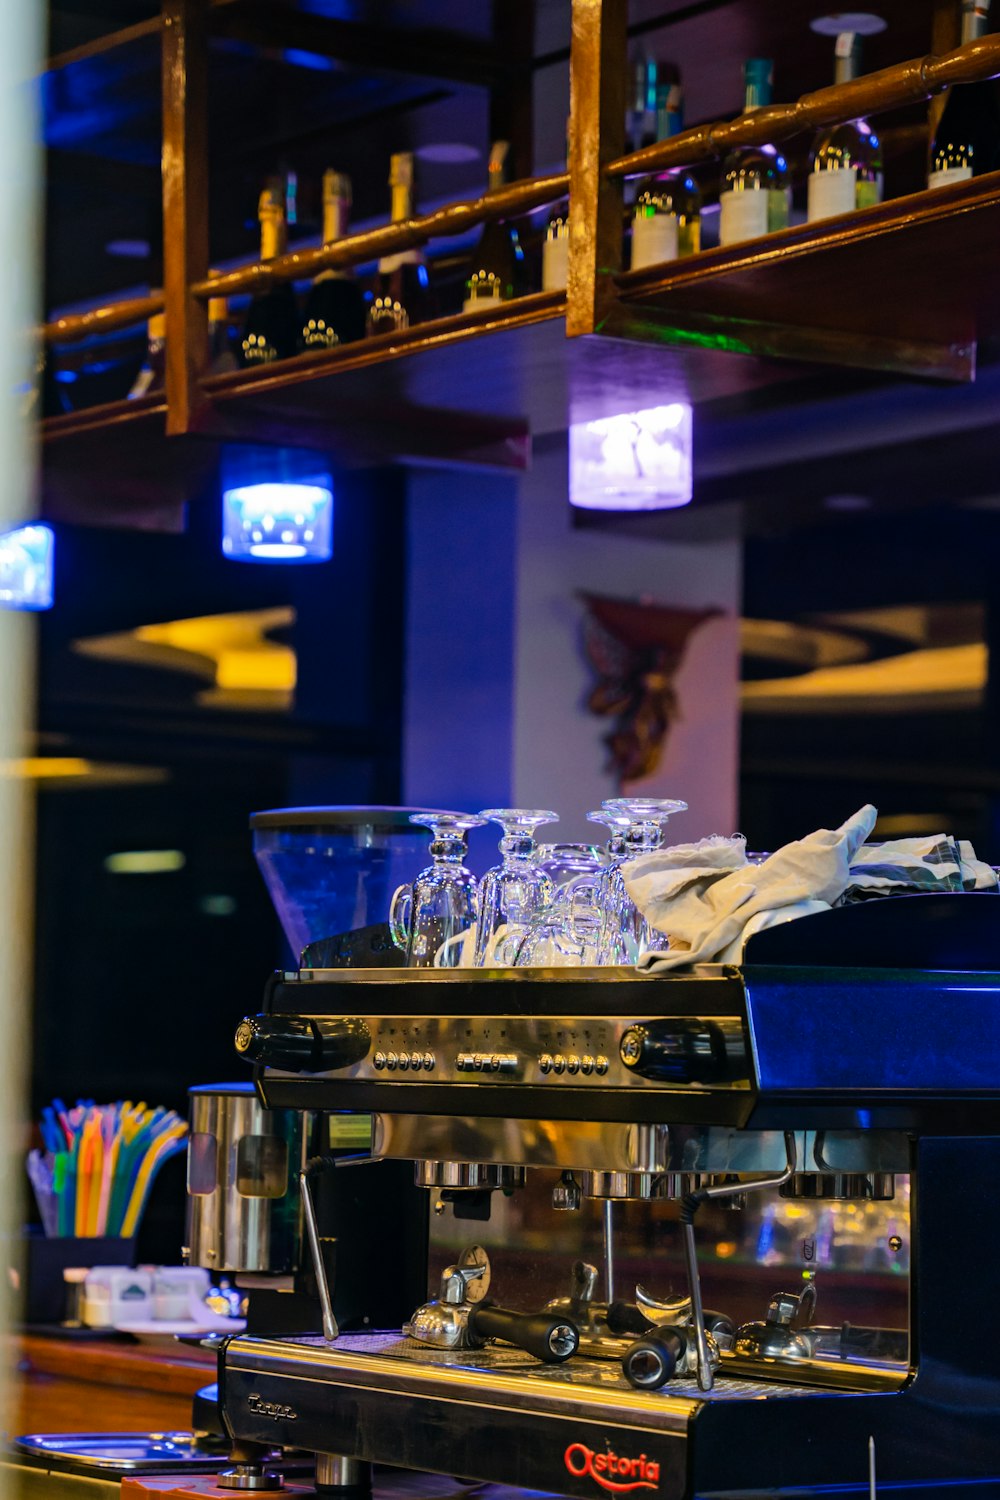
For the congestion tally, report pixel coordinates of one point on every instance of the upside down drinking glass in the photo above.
(511, 892)
(625, 933)
(567, 930)
(426, 917)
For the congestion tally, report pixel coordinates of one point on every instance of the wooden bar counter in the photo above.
(104, 1385)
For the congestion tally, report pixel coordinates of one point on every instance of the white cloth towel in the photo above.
(706, 899)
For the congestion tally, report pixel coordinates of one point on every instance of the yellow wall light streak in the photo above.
(145, 862)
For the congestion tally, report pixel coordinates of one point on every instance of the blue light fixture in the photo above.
(278, 521)
(27, 554)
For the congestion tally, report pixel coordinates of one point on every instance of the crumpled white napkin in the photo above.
(708, 908)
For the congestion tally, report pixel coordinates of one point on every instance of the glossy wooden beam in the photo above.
(184, 166)
(454, 218)
(764, 339)
(102, 44)
(598, 80)
(75, 326)
(904, 83)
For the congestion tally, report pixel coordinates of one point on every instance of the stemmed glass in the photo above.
(426, 917)
(625, 931)
(567, 929)
(511, 892)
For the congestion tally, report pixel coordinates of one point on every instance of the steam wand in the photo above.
(689, 1209)
(330, 1329)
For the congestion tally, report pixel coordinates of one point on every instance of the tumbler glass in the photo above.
(442, 902)
(513, 891)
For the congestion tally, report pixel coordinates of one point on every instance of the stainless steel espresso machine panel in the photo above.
(595, 1052)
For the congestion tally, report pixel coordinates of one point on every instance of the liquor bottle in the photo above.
(641, 107)
(152, 374)
(967, 140)
(401, 285)
(847, 159)
(498, 259)
(666, 220)
(335, 307)
(271, 329)
(754, 196)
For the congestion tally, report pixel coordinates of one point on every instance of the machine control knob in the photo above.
(391, 1061)
(404, 1061)
(416, 1061)
(545, 1062)
(558, 1063)
(429, 1061)
(601, 1064)
(680, 1049)
(303, 1044)
(378, 1061)
(465, 1062)
(572, 1063)
(586, 1063)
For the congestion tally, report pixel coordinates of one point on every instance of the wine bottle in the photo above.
(754, 195)
(498, 259)
(666, 220)
(335, 310)
(152, 376)
(401, 285)
(847, 158)
(271, 329)
(967, 140)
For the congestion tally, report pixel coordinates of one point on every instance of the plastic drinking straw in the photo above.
(40, 1174)
(96, 1173)
(166, 1144)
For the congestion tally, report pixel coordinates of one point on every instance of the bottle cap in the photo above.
(156, 328)
(336, 187)
(758, 79)
(271, 204)
(499, 152)
(75, 1274)
(401, 169)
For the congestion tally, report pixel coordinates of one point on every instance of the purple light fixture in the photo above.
(27, 556)
(639, 460)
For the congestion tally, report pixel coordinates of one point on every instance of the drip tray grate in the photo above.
(499, 1359)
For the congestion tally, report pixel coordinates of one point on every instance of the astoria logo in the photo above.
(610, 1471)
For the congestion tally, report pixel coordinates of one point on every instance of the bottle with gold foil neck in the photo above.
(271, 329)
(401, 286)
(498, 260)
(335, 307)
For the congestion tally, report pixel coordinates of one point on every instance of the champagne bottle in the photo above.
(555, 246)
(335, 307)
(754, 195)
(152, 376)
(967, 140)
(847, 159)
(498, 259)
(402, 281)
(271, 329)
(666, 220)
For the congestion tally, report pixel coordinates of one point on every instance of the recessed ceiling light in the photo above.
(861, 22)
(451, 153)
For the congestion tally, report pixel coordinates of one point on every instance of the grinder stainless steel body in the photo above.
(850, 1054)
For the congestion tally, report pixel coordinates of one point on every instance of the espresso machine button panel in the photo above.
(547, 1051)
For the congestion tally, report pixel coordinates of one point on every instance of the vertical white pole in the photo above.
(21, 36)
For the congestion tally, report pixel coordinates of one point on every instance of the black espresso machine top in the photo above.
(882, 1014)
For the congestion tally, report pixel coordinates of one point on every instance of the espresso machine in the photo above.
(850, 1066)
